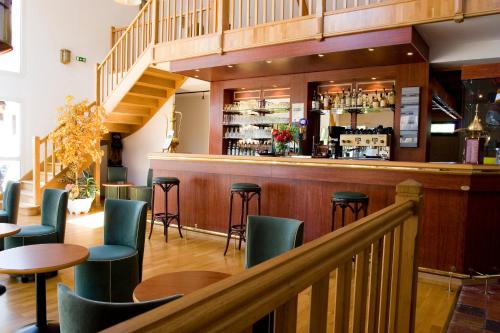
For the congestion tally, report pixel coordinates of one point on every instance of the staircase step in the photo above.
(163, 74)
(148, 91)
(120, 128)
(155, 82)
(28, 209)
(141, 101)
(141, 111)
(124, 119)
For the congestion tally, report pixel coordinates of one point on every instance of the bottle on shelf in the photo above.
(365, 100)
(331, 120)
(342, 101)
(326, 102)
(359, 98)
(383, 101)
(229, 152)
(337, 101)
(375, 101)
(348, 98)
(391, 97)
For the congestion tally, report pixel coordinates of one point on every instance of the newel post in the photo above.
(320, 14)
(36, 170)
(405, 316)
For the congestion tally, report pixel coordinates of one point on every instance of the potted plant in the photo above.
(79, 135)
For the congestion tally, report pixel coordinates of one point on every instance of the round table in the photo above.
(40, 259)
(184, 282)
(118, 185)
(7, 229)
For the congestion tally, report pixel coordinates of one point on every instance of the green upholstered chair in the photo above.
(268, 237)
(80, 315)
(53, 226)
(10, 207)
(114, 269)
(116, 175)
(143, 193)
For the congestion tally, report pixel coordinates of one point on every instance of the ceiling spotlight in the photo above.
(230, 66)
(480, 96)
(371, 50)
(196, 70)
(275, 86)
(243, 88)
(409, 53)
(332, 81)
(196, 76)
(269, 61)
(374, 78)
(321, 55)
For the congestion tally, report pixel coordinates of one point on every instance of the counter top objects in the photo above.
(40, 259)
(460, 211)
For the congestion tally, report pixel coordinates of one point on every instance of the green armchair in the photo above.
(143, 193)
(113, 270)
(53, 226)
(116, 175)
(268, 237)
(10, 207)
(80, 315)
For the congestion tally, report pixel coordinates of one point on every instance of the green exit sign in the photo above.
(81, 59)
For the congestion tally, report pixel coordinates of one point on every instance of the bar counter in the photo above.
(460, 222)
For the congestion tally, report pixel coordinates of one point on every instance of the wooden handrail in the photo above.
(384, 271)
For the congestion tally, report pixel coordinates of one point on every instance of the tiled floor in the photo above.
(475, 312)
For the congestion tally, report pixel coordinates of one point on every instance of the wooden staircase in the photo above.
(130, 89)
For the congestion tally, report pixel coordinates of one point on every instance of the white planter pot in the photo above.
(78, 206)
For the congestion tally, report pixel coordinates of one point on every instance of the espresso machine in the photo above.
(367, 144)
(334, 147)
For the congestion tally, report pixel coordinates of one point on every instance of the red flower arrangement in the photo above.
(283, 136)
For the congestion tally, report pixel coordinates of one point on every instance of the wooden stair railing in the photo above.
(133, 42)
(375, 293)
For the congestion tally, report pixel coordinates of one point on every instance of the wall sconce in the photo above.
(65, 56)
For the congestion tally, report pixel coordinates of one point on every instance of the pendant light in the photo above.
(5, 26)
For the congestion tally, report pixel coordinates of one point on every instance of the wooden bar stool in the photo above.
(246, 191)
(355, 201)
(166, 184)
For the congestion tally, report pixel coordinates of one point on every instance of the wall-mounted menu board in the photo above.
(410, 108)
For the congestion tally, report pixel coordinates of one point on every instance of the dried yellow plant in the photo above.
(79, 135)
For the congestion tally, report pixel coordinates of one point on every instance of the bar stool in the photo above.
(246, 191)
(355, 201)
(166, 184)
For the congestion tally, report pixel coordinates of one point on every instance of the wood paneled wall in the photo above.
(405, 75)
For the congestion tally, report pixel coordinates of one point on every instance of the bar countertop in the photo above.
(306, 161)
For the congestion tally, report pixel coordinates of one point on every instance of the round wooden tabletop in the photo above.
(8, 229)
(119, 184)
(41, 258)
(168, 284)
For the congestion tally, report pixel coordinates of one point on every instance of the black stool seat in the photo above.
(355, 201)
(249, 187)
(166, 180)
(246, 191)
(349, 196)
(165, 184)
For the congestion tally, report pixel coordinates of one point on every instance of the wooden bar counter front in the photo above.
(460, 224)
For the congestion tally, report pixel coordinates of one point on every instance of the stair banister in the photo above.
(36, 170)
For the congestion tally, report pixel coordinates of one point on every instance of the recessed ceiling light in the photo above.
(275, 86)
(332, 81)
(196, 70)
(409, 53)
(230, 66)
(374, 78)
(480, 96)
(269, 61)
(321, 55)
(243, 88)
(371, 50)
(196, 76)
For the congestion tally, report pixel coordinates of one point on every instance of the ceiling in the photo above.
(474, 41)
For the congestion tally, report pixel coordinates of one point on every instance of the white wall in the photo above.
(194, 131)
(82, 26)
(149, 139)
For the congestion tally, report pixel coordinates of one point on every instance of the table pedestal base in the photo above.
(50, 328)
(2, 289)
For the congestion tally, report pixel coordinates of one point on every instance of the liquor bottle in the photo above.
(383, 102)
(229, 149)
(375, 101)
(359, 98)
(391, 97)
(326, 102)
(348, 98)
(331, 120)
(354, 97)
(313, 103)
(233, 150)
(342, 101)
(337, 101)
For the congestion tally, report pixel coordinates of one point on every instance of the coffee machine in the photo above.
(367, 144)
(334, 147)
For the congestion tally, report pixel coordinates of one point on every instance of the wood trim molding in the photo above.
(485, 71)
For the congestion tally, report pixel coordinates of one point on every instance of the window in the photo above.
(10, 152)
(11, 61)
